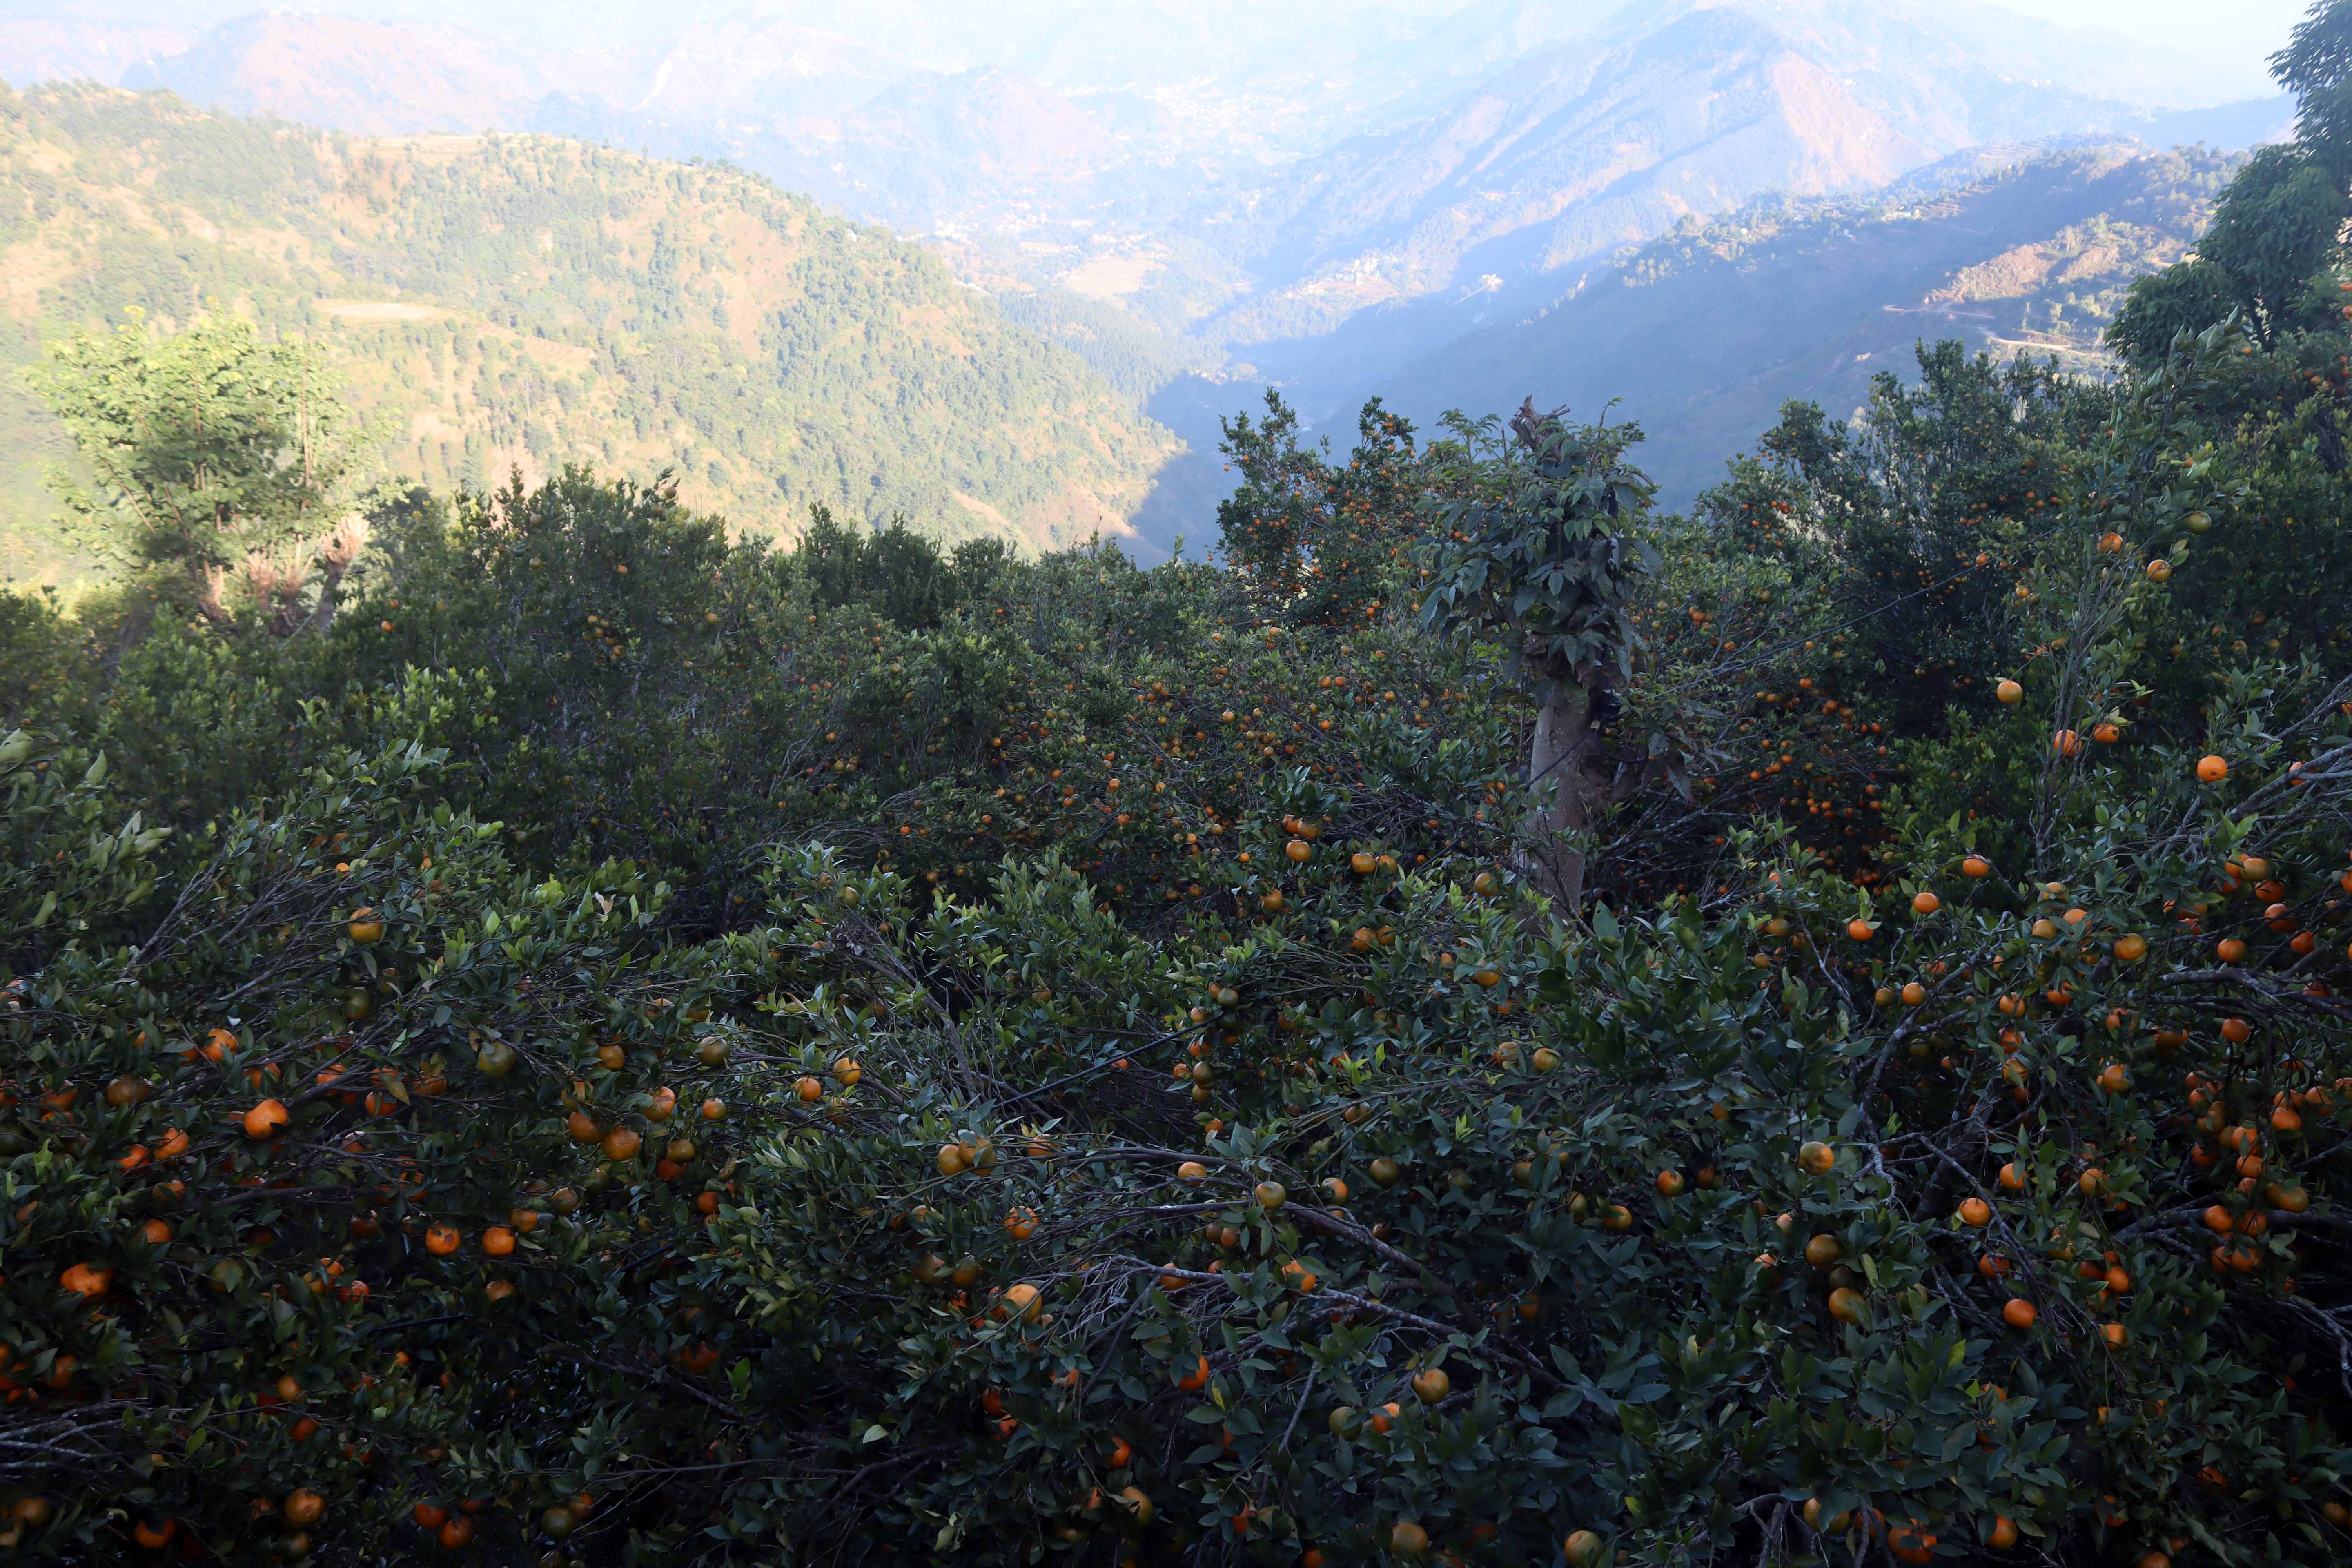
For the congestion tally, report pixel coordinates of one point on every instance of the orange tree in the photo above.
(1330, 1197)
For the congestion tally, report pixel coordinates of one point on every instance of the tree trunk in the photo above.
(1557, 769)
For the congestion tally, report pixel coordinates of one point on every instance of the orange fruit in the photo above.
(266, 1120)
(621, 1144)
(304, 1507)
(1815, 1157)
(497, 1241)
(2066, 744)
(2212, 769)
(2019, 1313)
(1670, 1184)
(1926, 903)
(1845, 1305)
(366, 925)
(2131, 949)
(1431, 1386)
(2003, 1534)
(1976, 866)
(1860, 929)
(86, 1280)
(2010, 691)
(1975, 1212)
(441, 1240)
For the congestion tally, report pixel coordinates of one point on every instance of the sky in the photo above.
(2239, 26)
(2236, 35)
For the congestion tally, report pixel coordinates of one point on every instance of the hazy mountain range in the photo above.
(1326, 193)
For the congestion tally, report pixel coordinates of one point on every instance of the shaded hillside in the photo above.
(1704, 335)
(500, 302)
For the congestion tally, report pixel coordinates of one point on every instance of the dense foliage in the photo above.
(626, 1045)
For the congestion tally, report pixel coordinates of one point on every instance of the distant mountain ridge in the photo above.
(1700, 336)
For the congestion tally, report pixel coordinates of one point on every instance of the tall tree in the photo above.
(1535, 555)
(2279, 226)
(208, 448)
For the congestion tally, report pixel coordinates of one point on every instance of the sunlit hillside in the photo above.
(522, 302)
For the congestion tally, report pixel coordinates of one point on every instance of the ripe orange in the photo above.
(1270, 1195)
(1024, 1302)
(2237, 1031)
(2010, 692)
(2160, 570)
(583, 1127)
(1582, 1549)
(1431, 1386)
(457, 1532)
(2003, 1534)
(1670, 1184)
(86, 1280)
(266, 1120)
(441, 1240)
(497, 1241)
(2230, 950)
(2131, 949)
(809, 1090)
(1192, 1171)
(2212, 769)
(304, 1507)
(1845, 1305)
(1975, 1212)
(2019, 1313)
(1407, 1539)
(2066, 744)
(1815, 1157)
(366, 925)
(1823, 1250)
(1926, 903)
(1976, 866)
(1860, 929)
(621, 1144)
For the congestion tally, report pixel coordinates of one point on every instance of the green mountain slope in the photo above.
(1703, 334)
(503, 303)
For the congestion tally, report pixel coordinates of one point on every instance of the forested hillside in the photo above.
(527, 301)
